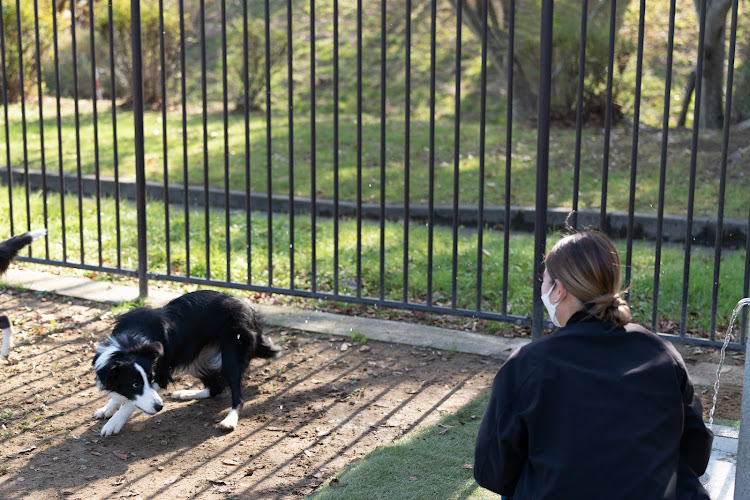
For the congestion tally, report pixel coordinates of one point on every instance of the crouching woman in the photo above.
(601, 408)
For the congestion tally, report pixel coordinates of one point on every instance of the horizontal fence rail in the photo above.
(384, 153)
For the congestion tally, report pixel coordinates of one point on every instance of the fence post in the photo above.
(742, 472)
(542, 160)
(140, 173)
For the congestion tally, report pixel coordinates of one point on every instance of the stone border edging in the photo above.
(645, 226)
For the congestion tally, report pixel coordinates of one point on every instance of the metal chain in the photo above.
(727, 338)
(717, 384)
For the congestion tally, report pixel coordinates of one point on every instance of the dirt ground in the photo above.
(323, 404)
(326, 402)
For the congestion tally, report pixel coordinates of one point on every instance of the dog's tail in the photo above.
(265, 348)
(10, 247)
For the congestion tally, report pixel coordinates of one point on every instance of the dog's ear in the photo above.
(109, 372)
(154, 350)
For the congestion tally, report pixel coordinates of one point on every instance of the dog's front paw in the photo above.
(230, 421)
(113, 426)
(105, 411)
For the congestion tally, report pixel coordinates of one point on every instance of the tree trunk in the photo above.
(741, 90)
(712, 79)
(687, 96)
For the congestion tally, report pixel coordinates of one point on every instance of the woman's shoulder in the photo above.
(647, 335)
(657, 341)
(531, 354)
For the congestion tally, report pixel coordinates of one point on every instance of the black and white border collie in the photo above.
(8, 251)
(210, 335)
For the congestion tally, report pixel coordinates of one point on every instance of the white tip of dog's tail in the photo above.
(37, 233)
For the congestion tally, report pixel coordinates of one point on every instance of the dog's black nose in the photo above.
(158, 407)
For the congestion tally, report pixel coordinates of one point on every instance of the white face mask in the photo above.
(551, 308)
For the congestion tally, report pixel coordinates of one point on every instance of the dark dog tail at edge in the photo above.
(266, 348)
(10, 247)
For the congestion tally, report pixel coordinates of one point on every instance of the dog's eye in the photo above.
(137, 383)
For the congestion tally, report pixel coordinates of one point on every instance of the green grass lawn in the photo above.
(240, 269)
(393, 164)
(362, 167)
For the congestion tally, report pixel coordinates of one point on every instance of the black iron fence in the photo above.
(381, 154)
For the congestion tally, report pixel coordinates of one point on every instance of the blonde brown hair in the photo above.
(588, 265)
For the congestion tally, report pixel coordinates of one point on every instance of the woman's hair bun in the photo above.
(610, 307)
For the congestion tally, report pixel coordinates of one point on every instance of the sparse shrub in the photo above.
(65, 58)
(150, 46)
(256, 61)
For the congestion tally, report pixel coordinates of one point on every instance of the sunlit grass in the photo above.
(220, 265)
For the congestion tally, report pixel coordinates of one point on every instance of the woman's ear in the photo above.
(560, 291)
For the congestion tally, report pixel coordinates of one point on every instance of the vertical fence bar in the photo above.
(313, 151)
(7, 123)
(204, 97)
(290, 115)
(407, 147)
(723, 175)
(359, 148)
(225, 116)
(663, 169)
(185, 166)
(41, 124)
(58, 117)
(608, 114)
(508, 151)
(78, 124)
(335, 147)
(269, 172)
(456, 156)
(542, 167)
(115, 159)
(140, 170)
(579, 111)
(482, 141)
(248, 191)
(431, 160)
(383, 81)
(21, 79)
(165, 159)
(95, 119)
(634, 150)
(693, 161)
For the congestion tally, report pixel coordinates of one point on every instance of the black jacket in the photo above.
(594, 412)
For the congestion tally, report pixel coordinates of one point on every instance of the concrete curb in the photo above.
(288, 317)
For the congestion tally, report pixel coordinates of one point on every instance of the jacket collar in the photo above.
(582, 316)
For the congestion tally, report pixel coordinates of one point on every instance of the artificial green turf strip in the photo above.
(433, 462)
